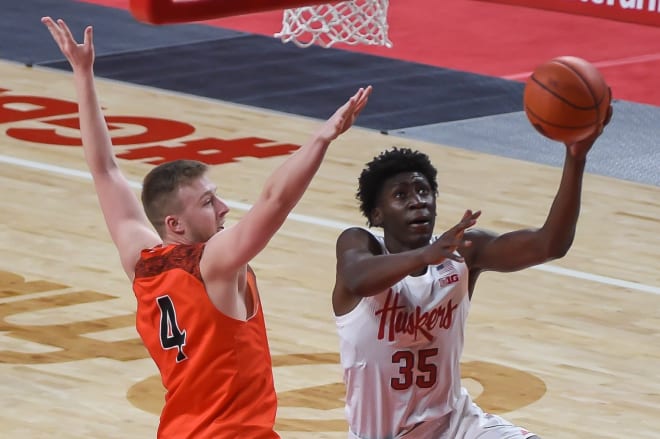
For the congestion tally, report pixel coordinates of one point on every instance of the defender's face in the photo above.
(203, 213)
(406, 211)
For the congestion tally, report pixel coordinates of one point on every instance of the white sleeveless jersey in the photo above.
(400, 351)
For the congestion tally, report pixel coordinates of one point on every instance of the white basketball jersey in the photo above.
(401, 350)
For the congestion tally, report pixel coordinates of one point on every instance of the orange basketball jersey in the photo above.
(217, 370)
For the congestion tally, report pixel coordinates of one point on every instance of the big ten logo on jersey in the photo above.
(50, 121)
(447, 273)
(29, 342)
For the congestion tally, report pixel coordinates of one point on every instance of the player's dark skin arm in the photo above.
(523, 248)
(363, 268)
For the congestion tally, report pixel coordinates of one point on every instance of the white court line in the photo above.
(54, 169)
(601, 64)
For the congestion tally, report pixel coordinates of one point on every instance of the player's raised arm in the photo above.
(125, 218)
(552, 85)
(523, 248)
(236, 246)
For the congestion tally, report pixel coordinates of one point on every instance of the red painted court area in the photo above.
(501, 40)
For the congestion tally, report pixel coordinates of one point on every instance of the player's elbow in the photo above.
(360, 286)
(558, 248)
(552, 243)
(278, 199)
(353, 285)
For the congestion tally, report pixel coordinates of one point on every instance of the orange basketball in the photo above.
(566, 99)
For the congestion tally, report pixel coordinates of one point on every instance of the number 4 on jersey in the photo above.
(170, 335)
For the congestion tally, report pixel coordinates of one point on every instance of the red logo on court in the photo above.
(139, 137)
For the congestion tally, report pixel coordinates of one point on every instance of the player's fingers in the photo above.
(462, 242)
(365, 94)
(89, 36)
(53, 28)
(455, 257)
(357, 104)
(608, 118)
(472, 218)
(459, 225)
(67, 31)
(450, 242)
(358, 110)
(362, 102)
(469, 219)
(349, 107)
(342, 112)
(457, 230)
(48, 21)
(475, 214)
(469, 213)
(357, 95)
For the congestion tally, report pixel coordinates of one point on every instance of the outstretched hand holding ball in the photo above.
(567, 99)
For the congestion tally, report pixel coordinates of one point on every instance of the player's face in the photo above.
(406, 211)
(203, 213)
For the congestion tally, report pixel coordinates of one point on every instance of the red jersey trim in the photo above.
(159, 259)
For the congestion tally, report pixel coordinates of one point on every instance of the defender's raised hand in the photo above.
(345, 116)
(80, 56)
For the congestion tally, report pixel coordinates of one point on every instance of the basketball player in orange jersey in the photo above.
(401, 304)
(199, 312)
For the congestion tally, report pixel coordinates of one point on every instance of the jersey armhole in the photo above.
(353, 314)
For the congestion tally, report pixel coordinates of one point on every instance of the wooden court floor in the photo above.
(568, 350)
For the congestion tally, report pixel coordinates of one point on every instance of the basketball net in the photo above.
(351, 22)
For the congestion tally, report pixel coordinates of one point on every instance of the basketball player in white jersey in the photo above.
(401, 301)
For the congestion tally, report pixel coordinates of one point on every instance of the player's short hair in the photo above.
(386, 165)
(159, 187)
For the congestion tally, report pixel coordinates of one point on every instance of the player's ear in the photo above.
(173, 224)
(376, 217)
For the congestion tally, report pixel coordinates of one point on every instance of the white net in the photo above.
(350, 22)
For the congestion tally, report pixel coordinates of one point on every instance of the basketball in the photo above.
(566, 99)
